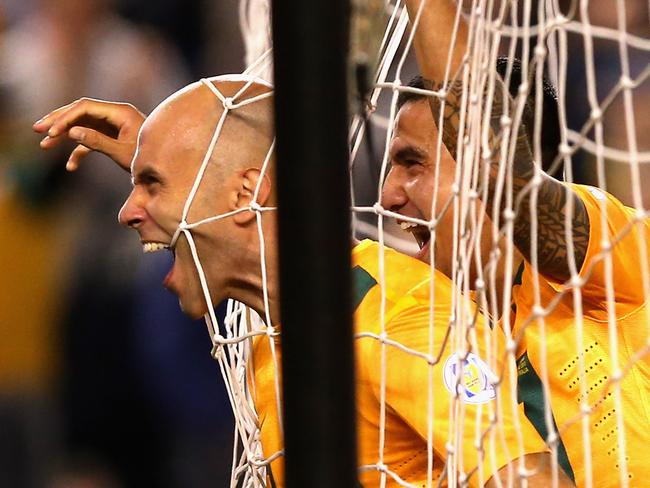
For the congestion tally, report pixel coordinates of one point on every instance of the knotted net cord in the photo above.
(543, 45)
(474, 149)
(233, 342)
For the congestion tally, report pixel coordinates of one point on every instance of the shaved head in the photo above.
(190, 117)
(211, 117)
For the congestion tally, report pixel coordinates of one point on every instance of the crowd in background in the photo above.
(103, 382)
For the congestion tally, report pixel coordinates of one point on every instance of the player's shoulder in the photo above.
(397, 268)
(400, 274)
(595, 199)
(619, 219)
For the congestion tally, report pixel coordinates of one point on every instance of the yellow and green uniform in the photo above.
(563, 354)
(407, 315)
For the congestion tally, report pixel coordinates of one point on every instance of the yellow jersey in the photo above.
(564, 354)
(405, 376)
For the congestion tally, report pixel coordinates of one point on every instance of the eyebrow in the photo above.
(147, 174)
(409, 152)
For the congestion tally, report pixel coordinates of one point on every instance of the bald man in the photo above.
(418, 387)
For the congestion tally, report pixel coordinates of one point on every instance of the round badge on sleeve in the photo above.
(476, 384)
(597, 193)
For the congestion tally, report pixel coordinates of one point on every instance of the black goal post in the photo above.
(311, 39)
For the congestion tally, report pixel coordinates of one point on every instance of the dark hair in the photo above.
(405, 97)
(550, 120)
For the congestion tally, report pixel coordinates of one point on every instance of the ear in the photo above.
(248, 182)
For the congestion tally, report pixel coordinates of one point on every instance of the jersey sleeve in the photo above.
(609, 218)
(419, 387)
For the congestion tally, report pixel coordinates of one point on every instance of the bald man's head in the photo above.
(180, 130)
(188, 120)
(173, 143)
(247, 133)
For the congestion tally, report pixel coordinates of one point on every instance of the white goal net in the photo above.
(573, 362)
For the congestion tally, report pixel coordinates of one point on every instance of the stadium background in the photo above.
(103, 383)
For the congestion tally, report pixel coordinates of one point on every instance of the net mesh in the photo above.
(543, 34)
(232, 342)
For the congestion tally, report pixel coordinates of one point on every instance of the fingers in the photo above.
(119, 151)
(94, 140)
(76, 156)
(97, 114)
(90, 140)
(49, 142)
(44, 124)
(57, 122)
(107, 127)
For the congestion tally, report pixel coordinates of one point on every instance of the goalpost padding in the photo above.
(310, 45)
(305, 59)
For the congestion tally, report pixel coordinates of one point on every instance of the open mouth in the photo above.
(421, 233)
(152, 246)
(156, 246)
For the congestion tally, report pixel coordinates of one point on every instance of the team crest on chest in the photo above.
(475, 386)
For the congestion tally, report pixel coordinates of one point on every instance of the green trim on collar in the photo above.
(362, 282)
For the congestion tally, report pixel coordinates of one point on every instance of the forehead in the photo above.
(415, 119)
(414, 126)
(167, 144)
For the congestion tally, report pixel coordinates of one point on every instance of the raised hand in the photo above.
(110, 128)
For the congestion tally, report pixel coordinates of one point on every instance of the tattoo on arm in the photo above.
(451, 115)
(552, 254)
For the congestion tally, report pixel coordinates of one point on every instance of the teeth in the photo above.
(407, 225)
(153, 246)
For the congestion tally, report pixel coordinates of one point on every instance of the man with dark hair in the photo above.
(394, 414)
(562, 343)
(550, 136)
(550, 139)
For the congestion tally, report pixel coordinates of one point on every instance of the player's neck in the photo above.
(255, 300)
(249, 288)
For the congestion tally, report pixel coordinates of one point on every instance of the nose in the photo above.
(393, 196)
(132, 213)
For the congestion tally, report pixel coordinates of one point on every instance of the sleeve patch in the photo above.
(598, 195)
(473, 382)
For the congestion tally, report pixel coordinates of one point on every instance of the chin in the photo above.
(193, 310)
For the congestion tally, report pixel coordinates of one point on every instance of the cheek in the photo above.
(445, 213)
(165, 215)
(204, 205)
(421, 194)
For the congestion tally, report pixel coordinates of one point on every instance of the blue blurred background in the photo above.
(103, 382)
